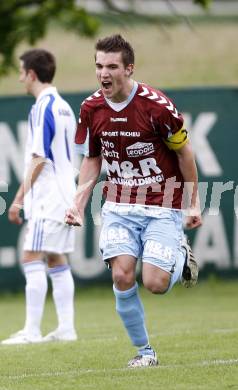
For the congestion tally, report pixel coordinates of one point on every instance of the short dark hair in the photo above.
(115, 43)
(42, 62)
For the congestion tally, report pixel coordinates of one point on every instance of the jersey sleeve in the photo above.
(87, 143)
(171, 128)
(44, 131)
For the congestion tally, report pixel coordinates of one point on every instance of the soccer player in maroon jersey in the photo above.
(151, 176)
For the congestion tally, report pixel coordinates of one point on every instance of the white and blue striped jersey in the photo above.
(51, 131)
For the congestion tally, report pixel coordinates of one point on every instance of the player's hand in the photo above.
(73, 217)
(193, 221)
(14, 213)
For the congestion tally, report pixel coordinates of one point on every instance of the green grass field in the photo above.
(194, 332)
(166, 56)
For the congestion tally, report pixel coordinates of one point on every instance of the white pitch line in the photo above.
(153, 335)
(226, 330)
(159, 334)
(75, 373)
(191, 332)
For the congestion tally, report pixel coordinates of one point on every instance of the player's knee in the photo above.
(158, 286)
(54, 260)
(123, 280)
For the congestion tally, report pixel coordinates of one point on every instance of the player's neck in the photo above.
(39, 87)
(125, 93)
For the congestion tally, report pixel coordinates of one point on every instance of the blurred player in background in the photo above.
(48, 189)
(151, 174)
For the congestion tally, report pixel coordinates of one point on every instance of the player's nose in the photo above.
(104, 74)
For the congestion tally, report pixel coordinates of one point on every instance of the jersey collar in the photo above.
(120, 106)
(45, 92)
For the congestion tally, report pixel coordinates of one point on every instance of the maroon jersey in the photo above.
(140, 167)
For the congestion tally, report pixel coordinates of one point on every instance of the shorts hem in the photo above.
(51, 250)
(106, 260)
(156, 265)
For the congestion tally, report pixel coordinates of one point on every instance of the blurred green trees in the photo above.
(28, 20)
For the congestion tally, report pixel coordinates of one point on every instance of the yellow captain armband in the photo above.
(177, 140)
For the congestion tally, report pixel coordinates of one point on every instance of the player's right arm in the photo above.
(88, 176)
(89, 145)
(16, 206)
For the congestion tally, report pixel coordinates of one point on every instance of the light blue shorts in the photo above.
(155, 240)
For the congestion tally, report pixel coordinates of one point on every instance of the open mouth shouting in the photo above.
(106, 86)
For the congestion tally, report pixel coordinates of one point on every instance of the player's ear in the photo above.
(129, 69)
(32, 73)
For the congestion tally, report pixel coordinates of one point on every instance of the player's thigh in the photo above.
(155, 279)
(120, 236)
(162, 240)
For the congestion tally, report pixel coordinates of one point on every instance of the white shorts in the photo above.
(45, 235)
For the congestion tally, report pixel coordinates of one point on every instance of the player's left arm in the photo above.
(175, 136)
(36, 165)
(188, 169)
